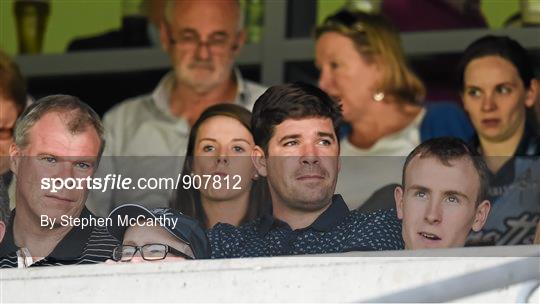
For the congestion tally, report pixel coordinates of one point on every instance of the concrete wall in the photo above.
(338, 278)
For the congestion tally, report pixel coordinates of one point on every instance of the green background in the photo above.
(78, 18)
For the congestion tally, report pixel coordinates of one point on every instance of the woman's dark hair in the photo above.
(188, 201)
(502, 46)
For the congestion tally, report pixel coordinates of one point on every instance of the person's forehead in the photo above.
(430, 172)
(50, 134)
(304, 126)
(491, 68)
(223, 127)
(205, 15)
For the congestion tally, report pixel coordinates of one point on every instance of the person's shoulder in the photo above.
(127, 107)
(381, 228)
(228, 241)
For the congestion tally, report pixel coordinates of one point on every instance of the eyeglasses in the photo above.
(190, 40)
(149, 252)
(345, 21)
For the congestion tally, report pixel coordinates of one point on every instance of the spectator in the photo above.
(499, 90)
(158, 234)
(443, 194)
(220, 144)
(12, 102)
(57, 137)
(4, 209)
(202, 38)
(295, 130)
(363, 66)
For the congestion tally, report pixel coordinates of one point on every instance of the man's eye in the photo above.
(420, 194)
(49, 159)
(290, 143)
(325, 142)
(334, 65)
(83, 165)
(452, 199)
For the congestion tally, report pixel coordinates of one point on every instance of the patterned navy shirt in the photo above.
(88, 245)
(336, 230)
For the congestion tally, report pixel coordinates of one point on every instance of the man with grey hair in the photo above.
(203, 39)
(57, 138)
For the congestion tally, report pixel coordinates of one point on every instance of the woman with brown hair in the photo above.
(219, 148)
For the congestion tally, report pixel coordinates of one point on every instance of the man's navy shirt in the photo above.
(336, 230)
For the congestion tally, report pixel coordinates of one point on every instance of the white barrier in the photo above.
(338, 278)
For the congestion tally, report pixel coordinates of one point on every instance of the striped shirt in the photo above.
(88, 245)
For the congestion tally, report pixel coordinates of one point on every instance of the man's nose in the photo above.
(202, 52)
(433, 213)
(309, 154)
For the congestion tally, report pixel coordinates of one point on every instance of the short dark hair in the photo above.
(291, 101)
(446, 149)
(502, 46)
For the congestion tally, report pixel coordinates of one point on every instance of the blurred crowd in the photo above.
(357, 162)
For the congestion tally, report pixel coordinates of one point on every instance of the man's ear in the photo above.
(14, 155)
(239, 42)
(259, 160)
(398, 198)
(532, 93)
(482, 212)
(2, 230)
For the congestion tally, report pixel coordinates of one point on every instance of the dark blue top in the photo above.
(442, 119)
(336, 230)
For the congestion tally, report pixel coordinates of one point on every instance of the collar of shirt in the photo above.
(332, 216)
(162, 93)
(69, 248)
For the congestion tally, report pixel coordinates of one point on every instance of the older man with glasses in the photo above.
(202, 39)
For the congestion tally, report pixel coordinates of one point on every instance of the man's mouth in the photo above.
(310, 177)
(59, 198)
(429, 236)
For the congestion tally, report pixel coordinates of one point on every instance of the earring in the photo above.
(255, 176)
(378, 96)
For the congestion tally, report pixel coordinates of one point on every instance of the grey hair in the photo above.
(239, 6)
(4, 202)
(80, 116)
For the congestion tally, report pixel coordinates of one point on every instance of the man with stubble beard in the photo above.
(295, 129)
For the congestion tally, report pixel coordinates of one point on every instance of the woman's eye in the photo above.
(208, 148)
(503, 89)
(334, 65)
(473, 92)
(238, 149)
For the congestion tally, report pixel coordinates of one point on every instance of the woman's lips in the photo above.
(490, 122)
